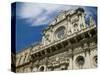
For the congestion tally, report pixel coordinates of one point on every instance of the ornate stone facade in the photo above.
(68, 43)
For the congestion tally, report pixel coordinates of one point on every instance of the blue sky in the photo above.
(32, 18)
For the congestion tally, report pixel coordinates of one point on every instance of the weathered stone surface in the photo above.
(75, 49)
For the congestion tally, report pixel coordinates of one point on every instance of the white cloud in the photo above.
(39, 14)
(29, 10)
(40, 20)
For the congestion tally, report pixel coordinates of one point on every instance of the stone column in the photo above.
(87, 60)
(83, 20)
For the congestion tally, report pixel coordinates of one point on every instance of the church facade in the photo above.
(67, 43)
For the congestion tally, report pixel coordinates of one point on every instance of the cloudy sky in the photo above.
(32, 18)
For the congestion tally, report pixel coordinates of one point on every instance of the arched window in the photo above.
(95, 60)
(80, 61)
(76, 27)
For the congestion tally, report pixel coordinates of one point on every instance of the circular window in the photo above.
(80, 60)
(60, 32)
(42, 68)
